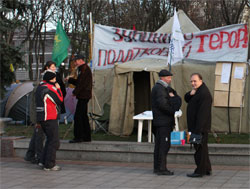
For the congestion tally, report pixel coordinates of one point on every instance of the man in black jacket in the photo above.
(199, 102)
(83, 93)
(165, 102)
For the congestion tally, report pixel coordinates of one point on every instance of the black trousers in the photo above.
(35, 149)
(82, 129)
(201, 156)
(52, 143)
(162, 146)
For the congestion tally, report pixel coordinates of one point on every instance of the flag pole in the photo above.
(92, 66)
(170, 56)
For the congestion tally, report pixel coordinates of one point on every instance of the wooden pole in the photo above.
(92, 67)
(242, 101)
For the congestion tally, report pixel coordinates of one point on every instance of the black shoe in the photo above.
(31, 159)
(35, 161)
(155, 171)
(194, 175)
(75, 141)
(166, 172)
(208, 173)
(27, 158)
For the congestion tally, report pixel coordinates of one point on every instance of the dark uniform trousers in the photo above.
(82, 129)
(162, 146)
(52, 143)
(201, 156)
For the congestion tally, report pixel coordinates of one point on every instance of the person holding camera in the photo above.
(199, 102)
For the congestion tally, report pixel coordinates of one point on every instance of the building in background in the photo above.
(22, 73)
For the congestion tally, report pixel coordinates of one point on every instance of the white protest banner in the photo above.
(111, 45)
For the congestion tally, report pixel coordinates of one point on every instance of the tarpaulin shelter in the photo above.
(103, 79)
(17, 106)
(3, 101)
(131, 94)
(129, 84)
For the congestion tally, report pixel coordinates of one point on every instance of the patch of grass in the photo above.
(225, 138)
(66, 132)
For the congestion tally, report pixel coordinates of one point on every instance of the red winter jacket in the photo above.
(48, 101)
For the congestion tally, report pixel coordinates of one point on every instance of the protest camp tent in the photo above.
(127, 87)
(134, 80)
(103, 79)
(187, 26)
(17, 106)
(4, 100)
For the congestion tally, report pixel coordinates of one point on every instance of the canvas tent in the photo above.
(6, 96)
(134, 80)
(187, 26)
(17, 106)
(127, 87)
(124, 106)
(103, 79)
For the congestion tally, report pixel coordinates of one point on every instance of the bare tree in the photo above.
(232, 10)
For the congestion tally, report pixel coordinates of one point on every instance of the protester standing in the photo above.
(34, 152)
(50, 65)
(83, 93)
(48, 100)
(35, 149)
(165, 102)
(199, 102)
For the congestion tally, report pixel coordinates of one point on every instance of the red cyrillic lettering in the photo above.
(117, 32)
(165, 38)
(202, 38)
(244, 38)
(145, 51)
(222, 38)
(211, 41)
(100, 57)
(109, 55)
(233, 39)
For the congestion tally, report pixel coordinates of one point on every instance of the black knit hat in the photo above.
(164, 73)
(79, 56)
(49, 75)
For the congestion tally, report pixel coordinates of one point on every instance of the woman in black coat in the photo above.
(199, 102)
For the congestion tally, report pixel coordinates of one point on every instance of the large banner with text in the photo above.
(117, 45)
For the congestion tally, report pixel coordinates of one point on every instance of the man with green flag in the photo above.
(61, 44)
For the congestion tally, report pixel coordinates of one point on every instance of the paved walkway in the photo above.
(18, 174)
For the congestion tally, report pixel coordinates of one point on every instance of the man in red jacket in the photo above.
(83, 92)
(48, 100)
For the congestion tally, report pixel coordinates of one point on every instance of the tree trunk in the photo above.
(30, 60)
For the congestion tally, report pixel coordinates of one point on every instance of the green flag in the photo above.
(61, 44)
